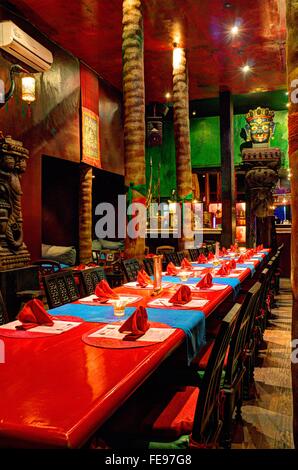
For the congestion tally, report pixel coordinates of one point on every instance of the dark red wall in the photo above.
(53, 128)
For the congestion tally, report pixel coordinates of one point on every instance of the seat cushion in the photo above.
(201, 360)
(173, 415)
(63, 254)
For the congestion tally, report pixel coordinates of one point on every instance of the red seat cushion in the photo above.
(203, 357)
(173, 416)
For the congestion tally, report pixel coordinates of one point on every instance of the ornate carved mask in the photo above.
(260, 125)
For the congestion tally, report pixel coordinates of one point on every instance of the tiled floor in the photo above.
(267, 420)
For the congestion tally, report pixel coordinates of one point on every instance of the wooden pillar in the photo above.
(134, 107)
(85, 214)
(182, 137)
(292, 71)
(227, 168)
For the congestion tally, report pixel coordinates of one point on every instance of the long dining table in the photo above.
(57, 390)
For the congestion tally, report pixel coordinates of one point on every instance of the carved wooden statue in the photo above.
(261, 163)
(13, 163)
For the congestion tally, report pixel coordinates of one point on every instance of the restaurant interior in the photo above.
(148, 257)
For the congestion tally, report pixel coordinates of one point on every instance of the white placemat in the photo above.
(128, 298)
(162, 302)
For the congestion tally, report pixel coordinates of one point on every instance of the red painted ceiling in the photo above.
(91, 30)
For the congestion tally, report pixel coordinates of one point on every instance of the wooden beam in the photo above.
(85, 214)
(227, 168)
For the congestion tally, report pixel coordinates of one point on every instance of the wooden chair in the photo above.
(176, 416)
(3, 312)
(131, 268)
(194, 254)
(88, 280)
(234, 368)
(180, 255)
(172, 258)
(148, 265)
(251, 343)
(45, 267)
(60, 288)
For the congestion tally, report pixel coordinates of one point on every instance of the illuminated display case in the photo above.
(241, 222)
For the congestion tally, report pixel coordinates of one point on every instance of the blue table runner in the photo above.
(192, 322)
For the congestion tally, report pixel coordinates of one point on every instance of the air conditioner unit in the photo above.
(21, 45)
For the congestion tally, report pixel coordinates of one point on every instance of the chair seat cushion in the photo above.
(173, 416)
(201, 360)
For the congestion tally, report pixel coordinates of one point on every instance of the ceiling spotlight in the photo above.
(227, 4)
(234, 30)
(286, 93)
(168, 95)
(194, 113)
(288, 105)
(246, 68)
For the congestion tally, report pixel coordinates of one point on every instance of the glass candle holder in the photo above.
(184, 275)
(119, 307)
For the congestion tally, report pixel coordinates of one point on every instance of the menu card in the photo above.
(58, 327)
(156, 335)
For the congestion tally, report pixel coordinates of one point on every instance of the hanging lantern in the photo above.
(28, 89)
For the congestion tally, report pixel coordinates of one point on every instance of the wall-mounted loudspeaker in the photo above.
(154, 131)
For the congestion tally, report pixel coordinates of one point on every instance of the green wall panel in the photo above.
(205, 142)
(205, 147)
(166, 155)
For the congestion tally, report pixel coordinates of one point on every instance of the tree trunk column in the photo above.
(85, 214)
(134, 106)
(182, 138)
(292, 70)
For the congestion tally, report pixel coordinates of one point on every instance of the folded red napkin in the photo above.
(104, 292)
(182, 296)
(224, 270)
(143, 279)
(210, 256)
(241, 259)
(185, 263)
(137, 324)
(220, 253)
(233, 264)
(171, 269)
(33, 314)
(205, 282)
(202, 259)
(224, 250)
(150, 255)
(232, 248)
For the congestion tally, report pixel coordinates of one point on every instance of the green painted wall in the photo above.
(166, 155)
(205, 142)
(205, 147)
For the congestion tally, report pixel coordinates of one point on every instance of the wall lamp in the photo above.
(28, 86)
